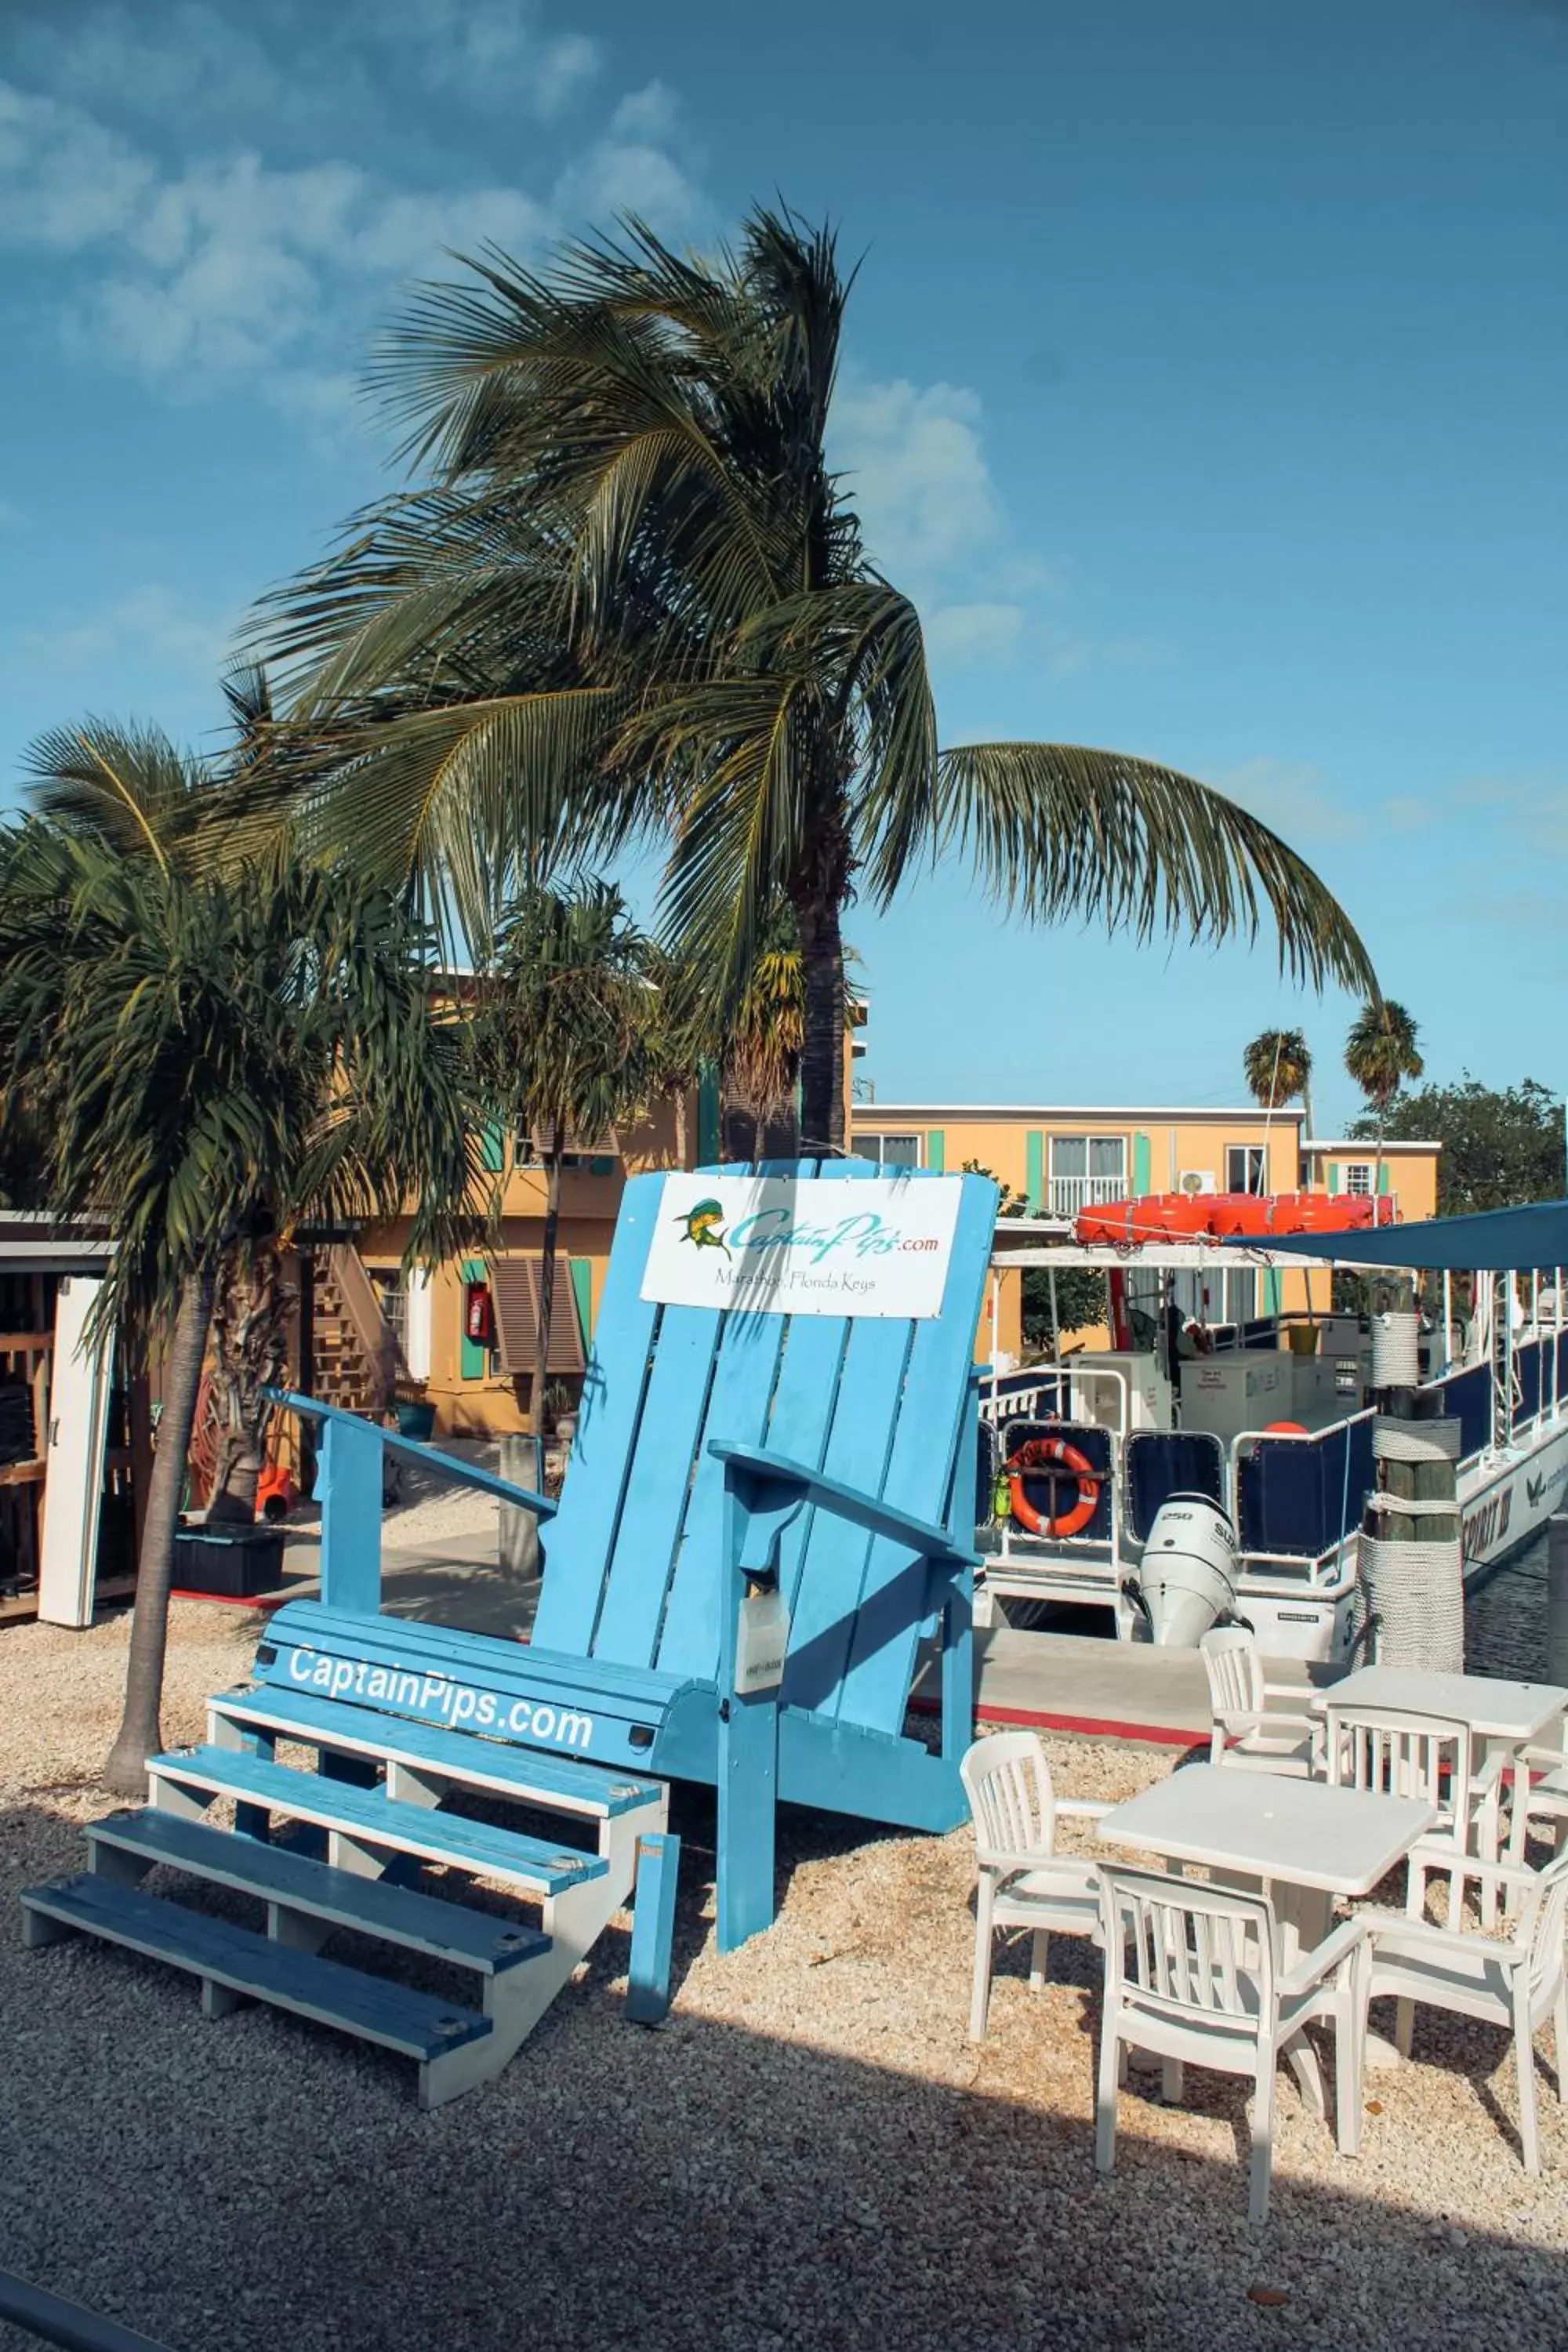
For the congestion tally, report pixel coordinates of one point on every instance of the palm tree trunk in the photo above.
(822, 1048)
(546, 1292)
(140, 1735)
(1307, 1107)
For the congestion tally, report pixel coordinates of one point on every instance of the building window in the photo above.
(390, 1289)
(1087, 1169)
(1359, 1175)
(1246, 1168)
(893, 1150)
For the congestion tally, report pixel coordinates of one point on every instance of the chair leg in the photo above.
(1350, 2058)
(1111, 2063)
(1039, 1954)
(1172, 2082)
(1524, 2060)
(1262, 2138)
(1404, 2026)
(1560, 2041)
(980, 2002)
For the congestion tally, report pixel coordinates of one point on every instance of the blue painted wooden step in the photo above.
(556, 1781)
(397, 1915)
(380, 1820)
(417, 2023)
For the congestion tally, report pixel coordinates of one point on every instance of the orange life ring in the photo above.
(1034, 1455)
(1284, 1429)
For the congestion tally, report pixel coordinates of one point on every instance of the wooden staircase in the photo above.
(355, 1350)
(368, 1848)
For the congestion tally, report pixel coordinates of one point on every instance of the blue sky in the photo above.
(1205, 381)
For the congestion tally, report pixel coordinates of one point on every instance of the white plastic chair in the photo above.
(1250, 1731)
(1190, 1974)
(1023, 1881)
(1404, 1754)
(1517, 1983)
(1540, 1804)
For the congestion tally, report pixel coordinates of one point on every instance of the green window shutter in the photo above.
(1333, 1176)
(1270, 1304)
(603, 1166)
(473, 1359)
(1386, 1178)
(936, 1148)
(492, 1148)
(708, 1117)
(1139, 1166)
(582, 1274)
(1035, 1170)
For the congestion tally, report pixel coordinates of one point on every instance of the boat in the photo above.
(1271, 1424)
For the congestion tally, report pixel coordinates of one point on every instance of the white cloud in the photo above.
(651, 113)
(328, 63)
(976, 637)
(224, 265)
(916, 471)
(67, 182)
(151, 626)
(1292, 797)
(492, 51)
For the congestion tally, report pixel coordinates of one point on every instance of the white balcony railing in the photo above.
(1068, 1195)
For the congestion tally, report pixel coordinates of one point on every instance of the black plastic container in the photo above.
(234, 1563)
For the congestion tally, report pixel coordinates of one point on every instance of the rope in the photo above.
(1414, 1440)
(1413, 1595)
(1403, 1509)
(1395, 1357)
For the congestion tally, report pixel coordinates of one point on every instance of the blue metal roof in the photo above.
(1495, 1239)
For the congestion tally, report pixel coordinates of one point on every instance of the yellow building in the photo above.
(1059, 1159)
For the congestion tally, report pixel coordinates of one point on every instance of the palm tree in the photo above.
(562, 1034)
(1278, 1064)
(207, 1060)
(634, 604)
(1381, 1052)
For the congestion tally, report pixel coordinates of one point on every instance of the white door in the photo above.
(73, 1485)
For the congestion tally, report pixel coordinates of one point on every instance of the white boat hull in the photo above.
(1511, 1498)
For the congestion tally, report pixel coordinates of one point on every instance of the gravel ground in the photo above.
(810, 2152)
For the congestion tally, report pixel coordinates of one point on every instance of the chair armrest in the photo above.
(1087, 1809)
(1006, 1860)
(851, 1503)
(1489, 1775)
(415, 1449)
(1394, 1932)
(1541, 1759)
(1325, 1957)
(1287, 1719)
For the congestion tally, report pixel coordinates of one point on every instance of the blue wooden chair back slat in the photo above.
(642, 1559)
(738, 1406)
(886, 1627)
(833, 1565)
(581, 1538)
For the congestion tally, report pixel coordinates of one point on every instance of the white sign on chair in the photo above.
(805, 1245)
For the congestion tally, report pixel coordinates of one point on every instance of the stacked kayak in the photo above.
(1222, 1217)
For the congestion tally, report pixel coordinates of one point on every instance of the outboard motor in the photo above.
(1188, 1575)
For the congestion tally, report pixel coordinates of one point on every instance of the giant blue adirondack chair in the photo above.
(718, 1454)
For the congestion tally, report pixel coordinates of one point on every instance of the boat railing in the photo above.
(1297, 1495)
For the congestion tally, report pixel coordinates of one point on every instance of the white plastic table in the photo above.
(1301, 1840)
(1302, 1837)
(1509, 1714)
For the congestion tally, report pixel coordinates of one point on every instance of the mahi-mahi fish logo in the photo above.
(704, 1226)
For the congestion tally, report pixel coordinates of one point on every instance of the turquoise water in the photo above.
(1505, 1619)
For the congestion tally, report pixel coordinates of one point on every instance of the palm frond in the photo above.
(1058, 830)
